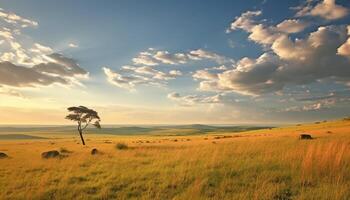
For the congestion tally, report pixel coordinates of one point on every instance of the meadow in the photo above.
(271, 164)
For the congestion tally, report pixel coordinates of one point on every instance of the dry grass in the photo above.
(264, 164)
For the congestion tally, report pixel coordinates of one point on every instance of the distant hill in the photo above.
(19, 137)
(191, 129)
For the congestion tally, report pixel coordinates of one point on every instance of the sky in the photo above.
(175, 62)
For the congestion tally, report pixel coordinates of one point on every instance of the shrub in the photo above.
(121, 146)
(64, 150)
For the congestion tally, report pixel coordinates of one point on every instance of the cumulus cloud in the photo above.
(292, 26)
(72, 45)
(326, 9)
(125, 81)
(344, 49)
(204, 75)
(171, 59)
(244, 21)
(42, 74)
(31, 64)
(192, 100)
(265, 34)
(18, 76)
(258, 32)
(290, 62)
(131, 76)
(143, 71)
(60, 66)
(14, 19)
(152, 57)
(145, 58)
(322, 104)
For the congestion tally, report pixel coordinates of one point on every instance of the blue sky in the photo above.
(176, 61)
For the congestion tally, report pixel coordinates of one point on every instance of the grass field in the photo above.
(261, 164)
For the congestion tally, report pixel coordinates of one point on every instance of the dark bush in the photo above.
(305, 137)
(64, 150)
(121, 146)
(50, 154)
(3, 155)
(94, 151)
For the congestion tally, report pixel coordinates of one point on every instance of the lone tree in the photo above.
(84, 116)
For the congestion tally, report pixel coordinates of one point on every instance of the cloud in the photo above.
(201, 54)
(344, 49)
(72, 45)
(15, 47)
(10, 92)
(288, 62)
(192, 100)
(60, 66)
(322, 104)
(171, 59)
(292, 26)
(144, 73)
(145, 58)
(204, 75)
(258, 32)
(18, 76)
(153, 57)
(61, 70)
(131, 76)
(264, 34)
(153, 73)
(326, 9)
(26, 63)
(41, 49)
(14, 19)
(125, 81)
(244, 21)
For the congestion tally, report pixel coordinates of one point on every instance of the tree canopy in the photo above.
(83, 116)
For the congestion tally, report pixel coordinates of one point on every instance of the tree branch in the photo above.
(87, 123)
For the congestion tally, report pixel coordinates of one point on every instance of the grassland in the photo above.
(260, 164)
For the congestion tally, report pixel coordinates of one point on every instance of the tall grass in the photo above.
(266, 164)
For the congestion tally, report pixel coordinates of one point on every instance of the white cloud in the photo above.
(124, 81)
(204, 75)
(145, 58)
(245, 21)
(172, 59)
(322, 104)
(192, 100)
(326, 9)
(258, 32)
(72, 45)
(344, 49)
(26, 63)
(201, 54)
(131, 76)
(291, 62)
(14, 19)
(62, 70)
(153, 57)
(292, 26)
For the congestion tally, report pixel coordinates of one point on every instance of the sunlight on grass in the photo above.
(262, 164)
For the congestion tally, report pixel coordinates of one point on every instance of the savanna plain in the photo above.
(269, 163)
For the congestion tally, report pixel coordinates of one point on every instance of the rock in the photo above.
(3, 155)
(50, 154)
(94, 152)
(305, 137)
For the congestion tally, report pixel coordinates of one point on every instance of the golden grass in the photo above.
(263, 164)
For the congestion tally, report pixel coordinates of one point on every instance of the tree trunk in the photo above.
(81, 136)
